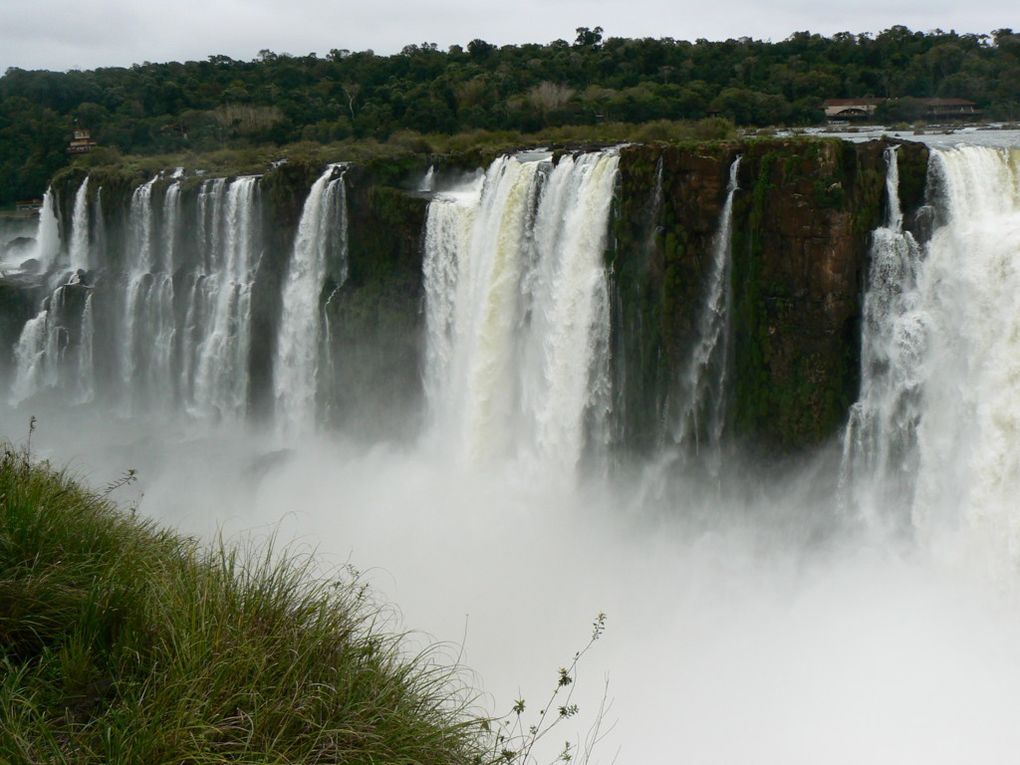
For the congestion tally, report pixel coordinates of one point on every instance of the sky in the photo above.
(60, 34)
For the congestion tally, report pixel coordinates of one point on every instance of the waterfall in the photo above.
(699, 415)
(223, 338)
(99, 243)
(169, 348)
(321, 236)
(448, 227)
(203, 284)
(517, 315)
(568, 334)
(86, 354)
(79, 249)
(879, 450)
(43, 351)
(47, 237)
(428, 182)
(31, 358)
(171, 211)
(939, 413)
(133, 344)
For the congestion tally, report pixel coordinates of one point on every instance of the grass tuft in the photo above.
(123, 642)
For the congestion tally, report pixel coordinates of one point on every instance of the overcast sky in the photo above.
(59, 34)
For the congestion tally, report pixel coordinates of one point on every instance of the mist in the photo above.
(730, 637)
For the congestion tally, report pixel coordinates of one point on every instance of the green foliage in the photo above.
(123, 642)
(202, 106)
(515, 740)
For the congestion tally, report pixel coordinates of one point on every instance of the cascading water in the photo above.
(167, 350)
(202, 290)
(145, 315)
(32, 359)
(222, 297)
(698, 414)
(448, 230)
(86, 354)
(517, 309)
(99, 243)
(79, 248)
(47, 237)
(43, 354)
(321, 236)
(937, 422)
(879, 451)
(428, 182)
(170, 230)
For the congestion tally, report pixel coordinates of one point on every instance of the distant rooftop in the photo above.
(861, 108)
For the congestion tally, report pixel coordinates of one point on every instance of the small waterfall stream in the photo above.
(79, 248)
(321, 235)
(698, 415)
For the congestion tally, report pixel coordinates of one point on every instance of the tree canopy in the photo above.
(281, 98)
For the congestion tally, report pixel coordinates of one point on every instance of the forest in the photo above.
(279, 98)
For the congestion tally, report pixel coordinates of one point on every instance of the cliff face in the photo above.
(801, 224)
(800, 263)
(375, 318)
(801, 220)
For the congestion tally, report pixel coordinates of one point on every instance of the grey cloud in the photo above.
(59, 34)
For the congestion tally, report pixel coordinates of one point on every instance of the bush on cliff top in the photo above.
(121, 642)
(406, 146)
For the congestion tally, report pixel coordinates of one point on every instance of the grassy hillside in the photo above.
(121, 642)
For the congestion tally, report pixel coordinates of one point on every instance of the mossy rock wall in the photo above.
(375, 316)
(802, 219)
(667, 210)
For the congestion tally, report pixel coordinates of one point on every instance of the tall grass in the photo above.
(122, 642)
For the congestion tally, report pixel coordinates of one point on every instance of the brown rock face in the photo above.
(801, 225)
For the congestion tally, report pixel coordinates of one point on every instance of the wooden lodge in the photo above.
(935, 109)
(950, 109)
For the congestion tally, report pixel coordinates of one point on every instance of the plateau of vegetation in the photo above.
(594, 81)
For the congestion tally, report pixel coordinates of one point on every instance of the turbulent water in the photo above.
(321, 230)
(517, 309)
(47, 238)
(855, 607)
(79, 247)
(936, 431)
(214, 373)
(161, 321)
(879, 460)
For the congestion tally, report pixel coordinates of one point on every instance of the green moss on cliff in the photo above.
(751, 384)
(375, 316)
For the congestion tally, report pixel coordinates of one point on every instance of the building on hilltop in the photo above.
(82, 142)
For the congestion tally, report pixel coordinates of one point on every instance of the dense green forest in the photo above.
(280, 98)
